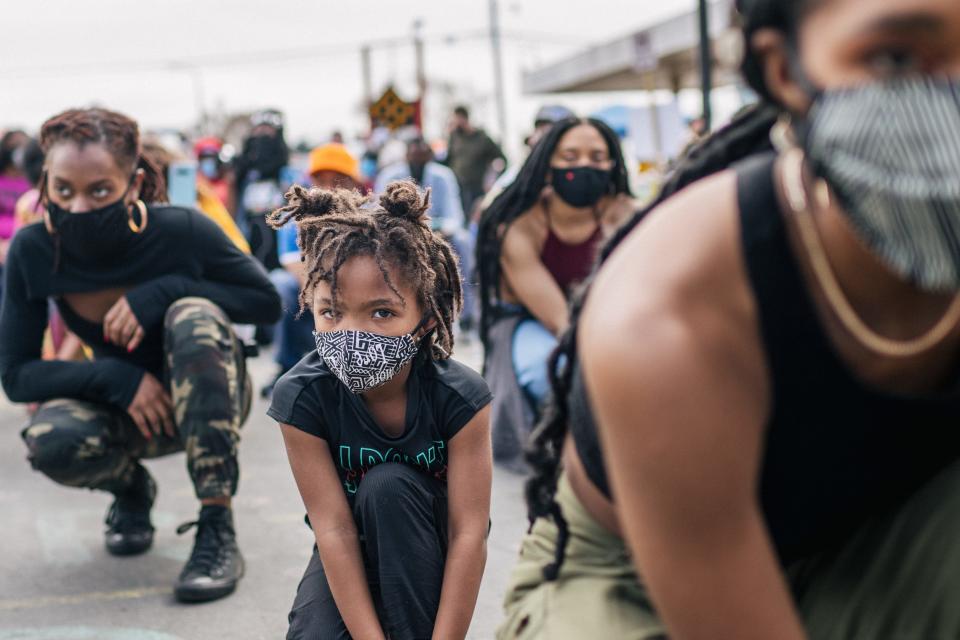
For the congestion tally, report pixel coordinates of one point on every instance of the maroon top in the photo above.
(569, 263)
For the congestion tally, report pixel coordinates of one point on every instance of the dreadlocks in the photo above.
(116, 132)
(522, 194)
(333, 226)
(747, 134)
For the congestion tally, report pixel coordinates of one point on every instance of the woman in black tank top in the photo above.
(762, 387)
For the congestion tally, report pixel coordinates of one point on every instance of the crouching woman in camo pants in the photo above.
(153, 291)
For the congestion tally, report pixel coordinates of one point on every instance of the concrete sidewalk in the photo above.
(58, 583)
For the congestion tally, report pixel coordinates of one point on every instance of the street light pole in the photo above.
(498, 70)
(706, 65)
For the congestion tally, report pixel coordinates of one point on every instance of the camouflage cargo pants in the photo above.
(97, 446)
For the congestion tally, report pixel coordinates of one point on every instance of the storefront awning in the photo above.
(663, 56)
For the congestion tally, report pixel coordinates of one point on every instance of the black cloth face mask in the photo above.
(267, 155)
(97, 236)
(580, 186)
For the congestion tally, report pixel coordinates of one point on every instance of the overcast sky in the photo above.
(160, 61)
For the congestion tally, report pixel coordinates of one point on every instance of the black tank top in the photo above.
(836, 450)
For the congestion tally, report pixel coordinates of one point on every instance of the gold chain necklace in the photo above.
(797, 196)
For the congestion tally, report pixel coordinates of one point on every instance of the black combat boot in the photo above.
(215, 566)
(129, 530)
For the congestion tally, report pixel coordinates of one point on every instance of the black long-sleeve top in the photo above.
(181, 253)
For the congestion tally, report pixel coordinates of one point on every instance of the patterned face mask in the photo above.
(891, 153)
(363, 360)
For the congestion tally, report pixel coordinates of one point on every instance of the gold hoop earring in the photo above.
(143, 217)
(47, 223)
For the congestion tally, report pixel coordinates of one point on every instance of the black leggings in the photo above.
(401, 516)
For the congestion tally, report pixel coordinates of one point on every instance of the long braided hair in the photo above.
(747, 134)
(334, 226)
(523, 193)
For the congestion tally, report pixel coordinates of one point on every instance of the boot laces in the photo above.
(208, 546)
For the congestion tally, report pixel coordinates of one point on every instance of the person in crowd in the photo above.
(152, 289)
(208, 203)
(263, 175)
(545, 118)
(470, 154)
(536, 242)
(331, 167)
(59, 342)
(28, 208)
(388, 438)
(214, 176)
(13, 184)
(756, 407)
(446, 212)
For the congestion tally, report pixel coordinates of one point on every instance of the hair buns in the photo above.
(404, 199)
(304, 203)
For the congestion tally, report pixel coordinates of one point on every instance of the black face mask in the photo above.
(267, 155)
(95, 237)
(416, 172)
(580, 186)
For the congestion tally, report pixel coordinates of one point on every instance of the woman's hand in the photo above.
(121, 327)
(152, 409)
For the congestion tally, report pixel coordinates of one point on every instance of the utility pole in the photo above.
(706, 65)
(421, 71)
(367, 75)
(498, 70)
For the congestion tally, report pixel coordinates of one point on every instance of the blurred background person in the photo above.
(263, 176)
(536, 242)
(206, 201)
(13, 183)
(446, 212)
(331, 166)
(213, 174)
(29, 208)
(470, 154)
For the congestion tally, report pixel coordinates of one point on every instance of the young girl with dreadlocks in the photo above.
(536, 241)
(762, 386)
(388, 438)
(153, 290)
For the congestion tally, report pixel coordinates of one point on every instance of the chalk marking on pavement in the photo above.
(14, 604)
(83, 633)
(58, 539)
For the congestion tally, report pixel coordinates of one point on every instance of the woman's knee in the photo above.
(531, 349)
(64, 438)
(201, 347)
(388, 486)
(193, 318)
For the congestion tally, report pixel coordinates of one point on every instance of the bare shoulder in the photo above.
(674, 296)
(526, 233)
(618, 210)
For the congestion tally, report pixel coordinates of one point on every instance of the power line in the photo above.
(266, 57)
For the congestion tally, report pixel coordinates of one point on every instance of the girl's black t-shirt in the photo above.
(442, 397)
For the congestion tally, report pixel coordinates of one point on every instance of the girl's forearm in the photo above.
(340, 554)
(466, 559)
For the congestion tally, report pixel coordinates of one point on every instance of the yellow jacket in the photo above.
(209, 204)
